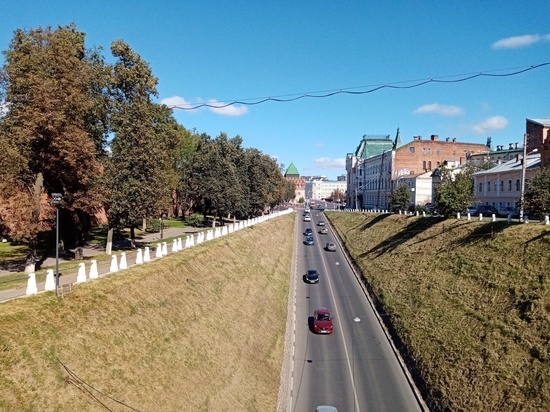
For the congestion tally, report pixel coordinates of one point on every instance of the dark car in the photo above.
(323, 231)
(308, 231)
(330, 247)
(311, 276)
(322, 321)
(486, 210)
(309, 241)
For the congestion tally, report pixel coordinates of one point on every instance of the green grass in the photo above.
(470, 301)
(193, 331)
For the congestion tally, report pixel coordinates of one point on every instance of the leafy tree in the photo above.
(47, 78)
(400, 199)
(454, 193)
(537, 193)
(138, 181)
(337, 195)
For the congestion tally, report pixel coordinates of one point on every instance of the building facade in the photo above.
(538, 137)
(320, 189)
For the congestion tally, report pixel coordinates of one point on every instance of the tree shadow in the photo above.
(413, 229)
(482, 232)
(376, 220)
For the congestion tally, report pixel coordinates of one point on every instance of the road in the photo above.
(354, 368)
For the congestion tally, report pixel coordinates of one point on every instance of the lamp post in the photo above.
(57, 198)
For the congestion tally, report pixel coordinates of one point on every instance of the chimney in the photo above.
(516, 145)
(415, 137)
(434, 137)
(454, 139)
(511, 146)
(447, 139)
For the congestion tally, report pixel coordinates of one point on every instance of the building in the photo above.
(538, 138)
(412, 163)
(293, 176)
(501, 186)
(370, 146)
(500, 155)
(319, 189)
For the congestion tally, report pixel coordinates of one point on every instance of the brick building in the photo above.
(538, 137)
(293, 176)
(379, 175)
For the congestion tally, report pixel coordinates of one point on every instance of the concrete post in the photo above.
(50, 280)
(31, 285)
(81, 276)
(93, 270)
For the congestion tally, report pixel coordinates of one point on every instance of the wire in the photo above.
(83, 386)
(351, 90)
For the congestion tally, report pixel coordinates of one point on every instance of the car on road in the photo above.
(311, 276)
(505, 211)
(486, 210)
(308, 232)
(323, 231)
(307, 218)
(306, 210)
(322, 321)
(326, 408)
(320, 223)
(309, 241)
(330, 247)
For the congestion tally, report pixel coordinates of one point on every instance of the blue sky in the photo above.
(217, 52)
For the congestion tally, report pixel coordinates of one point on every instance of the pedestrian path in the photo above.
(173, 240)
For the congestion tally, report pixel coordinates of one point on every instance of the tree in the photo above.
(47, 78)
(337, 195)
(138, 180)
(400, 199)
(454, 193)
(537, 193)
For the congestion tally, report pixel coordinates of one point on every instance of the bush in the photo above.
(195, 220)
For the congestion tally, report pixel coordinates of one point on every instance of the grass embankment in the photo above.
(470, 300)
(201, 330)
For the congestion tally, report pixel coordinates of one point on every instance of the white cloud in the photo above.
(489, 125)
(520, 41)
(441, 109)
(319, 145)
(224, 110)
(175, 101)
(328, 163)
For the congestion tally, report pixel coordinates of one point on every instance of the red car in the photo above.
(322, 321)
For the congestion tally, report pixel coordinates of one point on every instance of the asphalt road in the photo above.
(354, 368)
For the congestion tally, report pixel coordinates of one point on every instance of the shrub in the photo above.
(195, 220)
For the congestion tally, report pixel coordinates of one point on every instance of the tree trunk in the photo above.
(109, 246)
(132, 237)
(144, 226)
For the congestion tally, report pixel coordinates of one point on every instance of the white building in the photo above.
(319, 189)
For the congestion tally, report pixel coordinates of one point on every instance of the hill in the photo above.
(200, 330)
(469, 300)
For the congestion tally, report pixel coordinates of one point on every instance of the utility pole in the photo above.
(523, 167)
(57, 198)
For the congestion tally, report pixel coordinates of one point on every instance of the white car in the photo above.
(307, 218)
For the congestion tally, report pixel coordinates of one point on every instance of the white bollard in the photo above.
(114, 264)
(547, 220)
(94, 274)
(158, 250)
(81, 276)
(509, 218)
(458, 215)
(180, 244)
(174, 245)
(469, 216)
(123, 263)
(423, 214)
(146, 255)
(31, 285)
(164, 248)
(480, 217)
(50, 280)
(494, 217)
(139, 257)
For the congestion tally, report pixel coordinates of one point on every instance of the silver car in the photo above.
(330, 247)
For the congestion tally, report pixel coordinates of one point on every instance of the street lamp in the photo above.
(57, 198)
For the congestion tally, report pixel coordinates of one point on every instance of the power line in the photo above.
(362, 89)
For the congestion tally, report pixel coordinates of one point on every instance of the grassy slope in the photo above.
(470, 299)
(202, 330)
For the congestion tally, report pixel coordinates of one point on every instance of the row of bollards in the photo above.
(144, 256)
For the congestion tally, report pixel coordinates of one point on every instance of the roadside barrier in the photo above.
(161, 250)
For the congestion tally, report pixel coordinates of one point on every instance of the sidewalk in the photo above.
(103, 268)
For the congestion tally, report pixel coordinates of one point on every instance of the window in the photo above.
(480, 187)
(429, 150)
(411, 149)
(502, 185)
(430, 165)
(495, 186)
(454, 152)
(437, 151)
(510, 185)
(423, 150)
(518, 185)
(424, 165)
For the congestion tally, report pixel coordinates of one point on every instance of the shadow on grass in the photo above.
(545, 236)
(413, 229)
(484, 232)
(374, 221)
